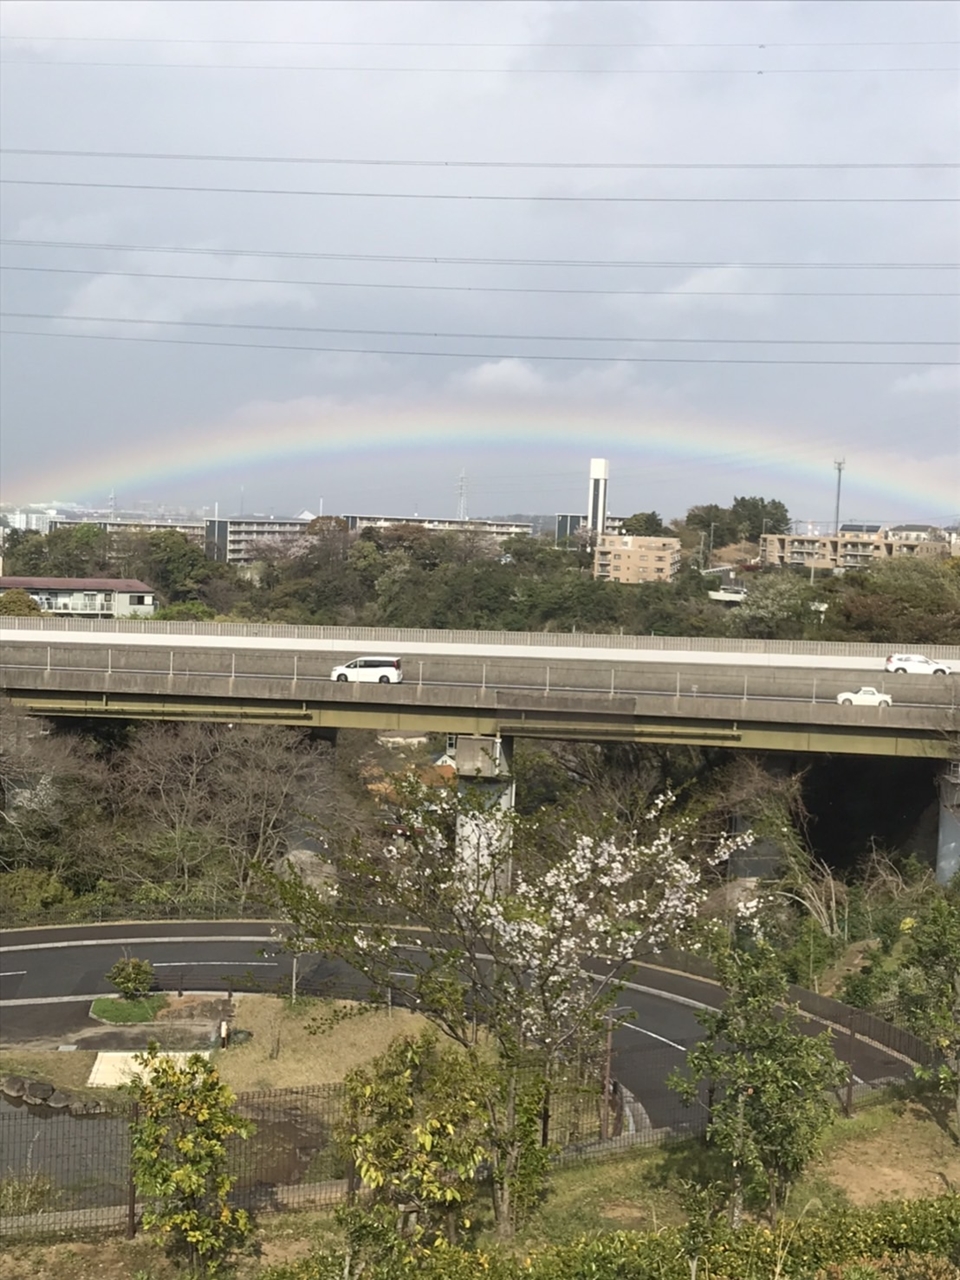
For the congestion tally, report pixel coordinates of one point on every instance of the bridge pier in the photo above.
(948, 831)
(484, 765)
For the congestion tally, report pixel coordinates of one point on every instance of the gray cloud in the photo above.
(397, 429)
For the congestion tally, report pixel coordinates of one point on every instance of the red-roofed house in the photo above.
(88, 597)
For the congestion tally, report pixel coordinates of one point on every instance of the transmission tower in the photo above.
(462, 496)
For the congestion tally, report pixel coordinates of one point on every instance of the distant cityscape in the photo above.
(241, 539)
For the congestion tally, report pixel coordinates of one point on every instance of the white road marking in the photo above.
(13, 973)
(138, 942)
(225, 964)
(629, 1026)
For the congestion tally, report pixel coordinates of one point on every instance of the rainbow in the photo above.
(775, 459)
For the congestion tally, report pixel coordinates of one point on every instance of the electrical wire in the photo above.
(489, 44)
(216, 158)
(447, 260)
(472, 196)
(484, 288)
(483, 337)
(479, 71)
(481, 355)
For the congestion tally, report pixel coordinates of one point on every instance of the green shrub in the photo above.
(864, 989)
(811, 952)
(906, 1266)
(133, 978)
(908, 1234)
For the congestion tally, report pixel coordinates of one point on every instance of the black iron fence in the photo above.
(69, 1170)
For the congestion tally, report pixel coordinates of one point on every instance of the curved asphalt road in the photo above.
(49, 976)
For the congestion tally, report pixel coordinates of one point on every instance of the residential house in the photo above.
(88, 597)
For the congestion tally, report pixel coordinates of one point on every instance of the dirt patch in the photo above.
(180, 1036)
(197, 1008)
(910, 1156)
(285, 1054)
(113, 1259)
(106, 1259)
(627, 1216)
(852, 961)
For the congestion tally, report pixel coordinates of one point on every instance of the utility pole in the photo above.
(840, 463)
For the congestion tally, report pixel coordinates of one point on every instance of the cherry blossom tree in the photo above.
(510, 931)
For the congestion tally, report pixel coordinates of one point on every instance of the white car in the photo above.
(370, 671)
(865, 697)
(915, 664)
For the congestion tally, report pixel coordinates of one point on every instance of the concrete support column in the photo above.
(484, 766)
(948, 831)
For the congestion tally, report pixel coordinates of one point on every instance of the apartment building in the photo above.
(192, 529)
(498, 529)
(856, 546)
(241, 539)
(622, 558)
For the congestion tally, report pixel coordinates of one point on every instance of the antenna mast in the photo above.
(839, 464)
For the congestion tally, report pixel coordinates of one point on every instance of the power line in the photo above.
(481, 355)
(478, 196)
(467, 71)
(441, 260)
(489, 44)
(217, 158)
(483, 337)
(486, 288)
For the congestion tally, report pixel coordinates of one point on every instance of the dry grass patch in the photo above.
(285, 1054)
(66, 1071)
(117, 1259)
(899, 1151)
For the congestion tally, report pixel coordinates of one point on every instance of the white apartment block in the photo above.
(242, 539)
(498, 529)
(192, 529)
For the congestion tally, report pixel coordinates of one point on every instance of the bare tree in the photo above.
(212, 802)
(53, 791)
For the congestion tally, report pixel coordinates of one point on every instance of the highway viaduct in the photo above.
(754, 695)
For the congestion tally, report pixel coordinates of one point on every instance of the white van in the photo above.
(370, 670)
(915, 664)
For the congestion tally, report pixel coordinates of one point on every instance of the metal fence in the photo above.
(423, 635)
(69, 1170)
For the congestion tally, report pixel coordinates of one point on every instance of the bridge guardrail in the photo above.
(557, 639)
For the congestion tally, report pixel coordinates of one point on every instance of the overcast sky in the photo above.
(580, 313)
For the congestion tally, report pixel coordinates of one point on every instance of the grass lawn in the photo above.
(302, 1043)
(117, 1009)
